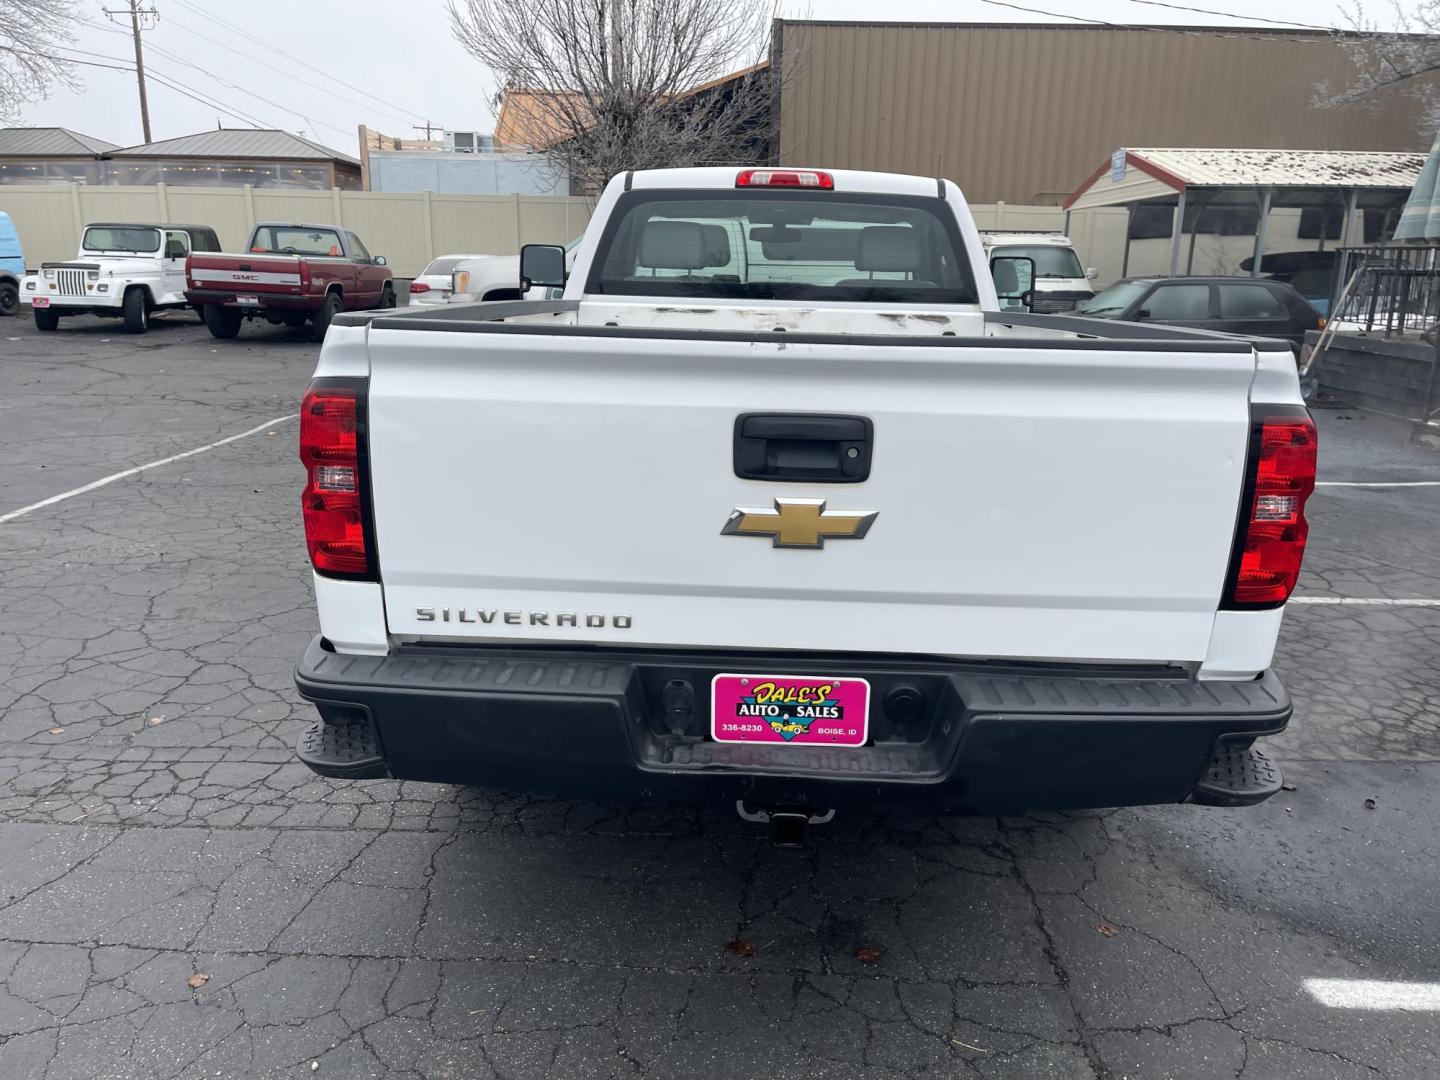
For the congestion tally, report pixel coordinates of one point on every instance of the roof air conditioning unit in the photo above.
(468, 142)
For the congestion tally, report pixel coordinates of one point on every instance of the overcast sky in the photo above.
(403, 55)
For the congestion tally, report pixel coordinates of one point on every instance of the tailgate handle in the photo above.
(803, 447)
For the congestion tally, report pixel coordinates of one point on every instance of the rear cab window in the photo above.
(291, 240)
(783, 245)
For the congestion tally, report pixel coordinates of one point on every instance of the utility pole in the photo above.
(138, 21)
(427, 129)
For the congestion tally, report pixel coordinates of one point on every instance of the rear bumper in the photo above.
(982, 739)
(264, 301)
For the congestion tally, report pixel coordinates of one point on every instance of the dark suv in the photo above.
(1256, 307)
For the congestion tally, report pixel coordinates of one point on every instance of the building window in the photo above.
(1222, 220)
(1151, 222)
(1316, 221)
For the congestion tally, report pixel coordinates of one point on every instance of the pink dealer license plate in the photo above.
(794, 709)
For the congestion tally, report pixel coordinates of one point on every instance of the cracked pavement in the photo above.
(154, 827)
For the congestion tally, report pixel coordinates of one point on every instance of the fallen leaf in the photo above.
(867, 954)
(1287, 787)
(56, 730)
(740, 948)
(1369, 804)
(197, 980)
(1107, 930)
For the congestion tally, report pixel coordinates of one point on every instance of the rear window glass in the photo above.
(769, 245)
(290, 240)
(121, 238)
(441, 266)
(1250, 302)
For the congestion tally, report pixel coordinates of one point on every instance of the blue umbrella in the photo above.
(1420, 220)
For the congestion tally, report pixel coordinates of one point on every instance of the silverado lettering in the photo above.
(1047, 620)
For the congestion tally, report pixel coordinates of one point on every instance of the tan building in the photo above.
(1021, 113)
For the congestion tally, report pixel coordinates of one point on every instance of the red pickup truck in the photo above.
(290, 274)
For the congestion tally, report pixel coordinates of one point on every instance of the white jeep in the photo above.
(122, 271)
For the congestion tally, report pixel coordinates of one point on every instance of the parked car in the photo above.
(1256, 307)
(291, 274)
(765, 529)
(494, 277)
(124, 270)
(433, 285)
(12, 266)
(1310, 273)
(1060, 283)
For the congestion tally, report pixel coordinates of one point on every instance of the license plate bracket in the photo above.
(248, 301)
(790, 710)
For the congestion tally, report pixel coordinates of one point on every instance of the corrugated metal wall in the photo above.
(1026, 113)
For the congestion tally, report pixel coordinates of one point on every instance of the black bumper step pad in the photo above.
(1239, 775)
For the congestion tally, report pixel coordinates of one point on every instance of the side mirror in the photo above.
(1143, 313)
(1091, 273)
(542, 265)
(379, 260)
(1014, 281)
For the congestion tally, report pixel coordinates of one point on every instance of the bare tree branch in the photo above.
(612, 85)
(30, 32)
(1397, 60)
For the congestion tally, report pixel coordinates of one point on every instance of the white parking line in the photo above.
(1375, 995)
(13, 514)
(1374, 601)
(1377, 483)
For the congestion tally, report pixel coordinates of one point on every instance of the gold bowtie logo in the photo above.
(803, 523)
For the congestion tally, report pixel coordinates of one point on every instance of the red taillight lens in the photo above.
(1270, 542)
(418, 287)
(333, 501)
(796, 178)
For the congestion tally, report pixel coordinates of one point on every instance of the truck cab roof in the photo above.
(844, 180)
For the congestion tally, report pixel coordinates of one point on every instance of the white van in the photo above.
(1060, 283)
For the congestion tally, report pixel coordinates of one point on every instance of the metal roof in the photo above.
(1157, 173)
(50, 142)
(1286, 168)
(237, 144)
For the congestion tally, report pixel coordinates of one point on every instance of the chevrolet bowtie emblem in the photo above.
(799, 523)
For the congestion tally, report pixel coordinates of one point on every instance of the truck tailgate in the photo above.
(1071, 500)
(251, 274)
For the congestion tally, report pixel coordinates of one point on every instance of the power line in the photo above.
(1186, 31)
(290, 56)
(168, 81)
(1235, 15)
(288, 74)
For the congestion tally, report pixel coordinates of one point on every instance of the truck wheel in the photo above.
(222, 322)
(199, 310)
(387, 297)
(327, 311)
(47, 320)
(10, 298)
(137, 311)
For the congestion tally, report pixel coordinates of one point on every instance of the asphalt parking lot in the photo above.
(179, 898)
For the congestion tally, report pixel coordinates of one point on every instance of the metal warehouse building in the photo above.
(1021, 113)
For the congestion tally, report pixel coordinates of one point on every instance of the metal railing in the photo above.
(1388, 290)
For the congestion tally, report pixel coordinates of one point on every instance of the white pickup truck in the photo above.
(776, 505)
(124, 270)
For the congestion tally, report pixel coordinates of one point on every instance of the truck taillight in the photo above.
(304, 276)
(794, 178)
(336, 500)
(1270, 535)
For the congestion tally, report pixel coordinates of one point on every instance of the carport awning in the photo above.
(1295, 177)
